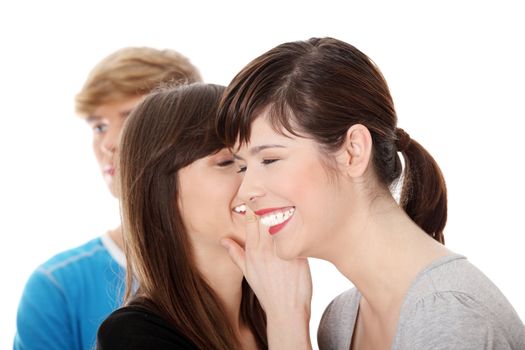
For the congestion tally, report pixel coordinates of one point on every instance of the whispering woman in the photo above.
(178, 188)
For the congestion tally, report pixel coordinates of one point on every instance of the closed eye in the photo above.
(242, 169)
(225, 163)
(269, 161)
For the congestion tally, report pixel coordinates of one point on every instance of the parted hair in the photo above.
(170, 129)
(320, 88)
(130, 72)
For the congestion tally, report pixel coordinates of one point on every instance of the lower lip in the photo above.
(110, 172)
(275, 229)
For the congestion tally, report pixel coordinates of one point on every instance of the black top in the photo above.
(136, 328)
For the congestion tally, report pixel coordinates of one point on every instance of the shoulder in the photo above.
(66, 298)
(337, 322)
(454, 305)
(135, 327)
(448, 319)
(48, 274)
(89, 250)
(69, 276)
(341, 306)
(88, 258)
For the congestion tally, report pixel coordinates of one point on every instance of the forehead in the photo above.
(262, 129)
(264, 136)
(116, 108)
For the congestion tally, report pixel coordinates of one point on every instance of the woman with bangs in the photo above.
(314, 131)
(178, 188)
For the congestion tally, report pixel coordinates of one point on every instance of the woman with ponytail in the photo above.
(314, 131)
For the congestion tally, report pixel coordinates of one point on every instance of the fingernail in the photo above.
(250, 215)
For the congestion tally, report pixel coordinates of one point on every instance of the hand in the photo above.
(283, 287)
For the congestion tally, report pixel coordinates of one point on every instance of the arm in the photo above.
(284, 288)
(43, 320)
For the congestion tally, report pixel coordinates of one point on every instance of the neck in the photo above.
(116, 236)
(224, 277)
(381, 250)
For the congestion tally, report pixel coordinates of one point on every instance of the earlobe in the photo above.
(358, 150)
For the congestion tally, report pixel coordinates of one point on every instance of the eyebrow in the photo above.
(254, 150)
(92, 118)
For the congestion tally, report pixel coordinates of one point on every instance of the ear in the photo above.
(356, 151)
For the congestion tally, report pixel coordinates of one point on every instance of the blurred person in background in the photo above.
(67, 297)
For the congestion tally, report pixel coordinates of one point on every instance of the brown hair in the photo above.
(130, 72)
(320, 88)
(169, 130)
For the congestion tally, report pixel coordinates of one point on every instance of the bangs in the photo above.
(273, 85)
(240, 108)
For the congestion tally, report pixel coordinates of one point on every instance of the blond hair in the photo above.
(130, 72)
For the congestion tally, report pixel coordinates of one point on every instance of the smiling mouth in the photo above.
(277, 217)
(240, 209)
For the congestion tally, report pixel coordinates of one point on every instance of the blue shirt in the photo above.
(67, 298)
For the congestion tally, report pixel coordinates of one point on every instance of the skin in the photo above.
(342, 215)
(215, 179)
(106, 122)
(198, 180)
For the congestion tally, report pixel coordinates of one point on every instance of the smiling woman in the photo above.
(179, 199)
(315, 131)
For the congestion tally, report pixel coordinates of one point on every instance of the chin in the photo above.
(113, 189)
(237, 238)
(114, 193)
(286, 253)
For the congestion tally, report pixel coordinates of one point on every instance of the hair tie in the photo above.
(402, 140)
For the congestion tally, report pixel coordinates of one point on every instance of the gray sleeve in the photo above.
(451, 320)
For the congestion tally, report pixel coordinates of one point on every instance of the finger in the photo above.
(236, 253)
(266, 241)
(251, 225)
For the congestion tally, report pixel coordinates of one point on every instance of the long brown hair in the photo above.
(320, 88)
(169, 130)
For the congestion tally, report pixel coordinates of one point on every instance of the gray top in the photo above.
(450, 305)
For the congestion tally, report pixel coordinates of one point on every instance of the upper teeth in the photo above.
(240, 209)
(277, 217)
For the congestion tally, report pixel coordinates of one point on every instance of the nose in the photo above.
(109, 144)
(251, 189)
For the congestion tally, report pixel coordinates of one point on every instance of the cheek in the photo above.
(312, 193)
(299, 182)
(223, 191)
(96, 148)
(215, 194)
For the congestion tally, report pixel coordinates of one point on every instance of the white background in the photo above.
(455, 70)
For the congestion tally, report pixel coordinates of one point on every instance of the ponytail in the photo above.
(424, 193)
(320, 88)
